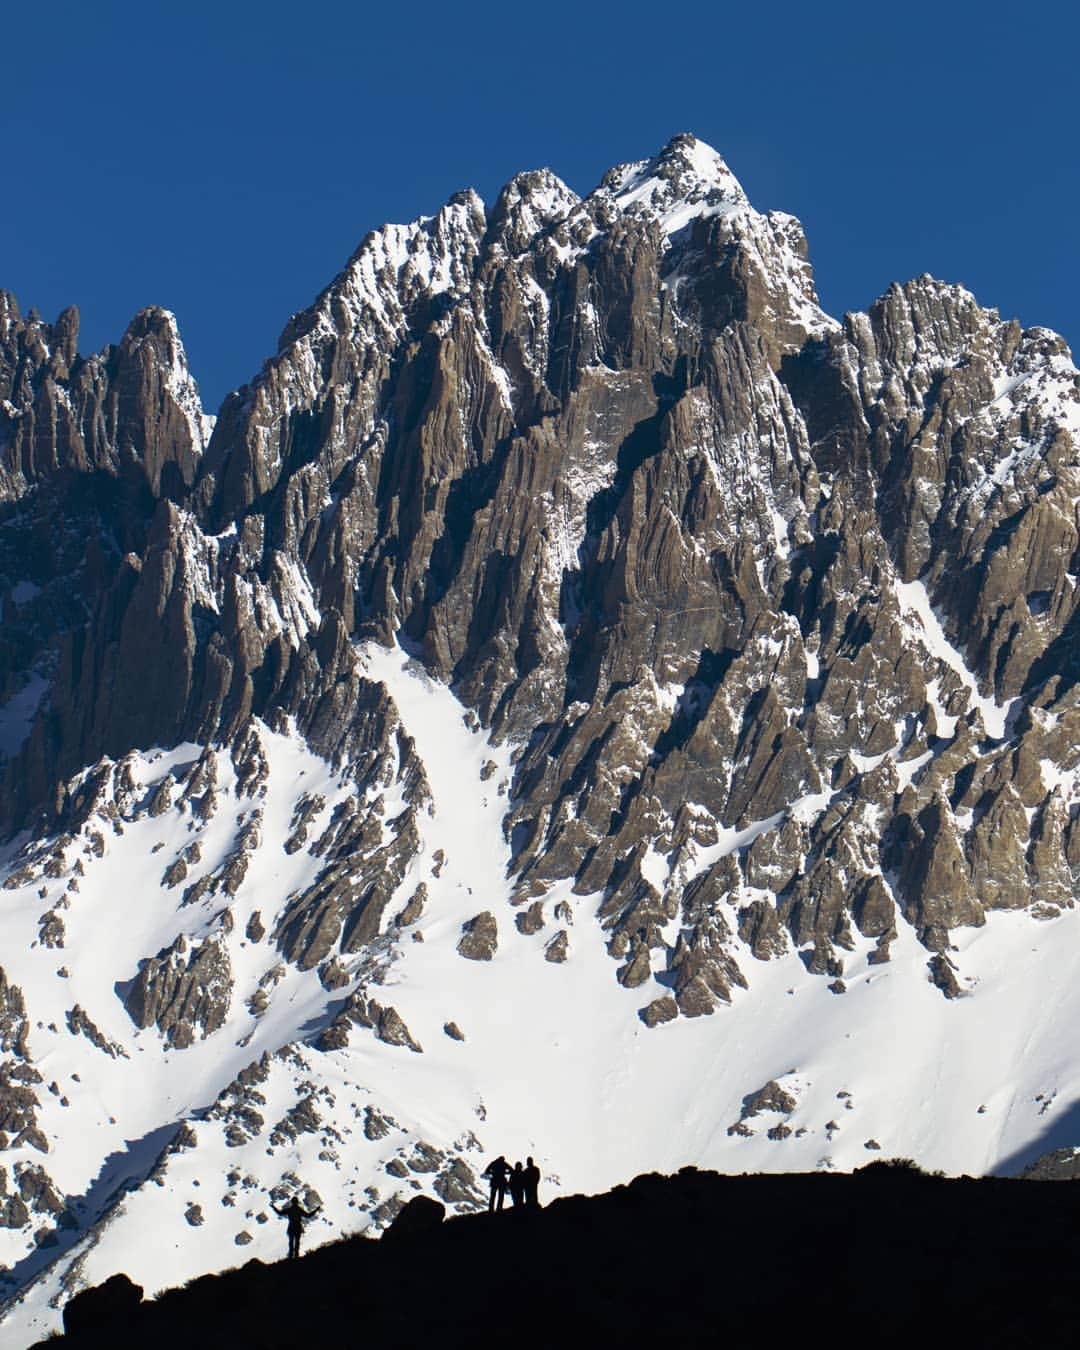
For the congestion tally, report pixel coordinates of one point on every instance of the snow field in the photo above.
(555, 1062)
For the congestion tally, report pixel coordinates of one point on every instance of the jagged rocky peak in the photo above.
(432, 255)
(29, 347)
(153, 347)
(530, 204)
(130, 410)
(394, 268)
(687, 179)
(748, 265)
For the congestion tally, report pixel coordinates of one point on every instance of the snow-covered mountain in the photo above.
(579, 699)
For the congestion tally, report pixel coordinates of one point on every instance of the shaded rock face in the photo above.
(711, 560)
(90, 448)
(1061, 1164)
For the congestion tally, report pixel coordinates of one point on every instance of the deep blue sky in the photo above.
(223, 159)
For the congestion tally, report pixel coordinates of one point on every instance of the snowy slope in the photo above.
(553, 1062)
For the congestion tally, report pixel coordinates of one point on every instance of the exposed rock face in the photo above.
(90, 449)
(1062, 1164)
(376, 1126)
(479, 937)
(18, 1079)
(239, 1102)
(361, 873)
(386, 1023)
(80, 1024)
(134, 407)
(663, 1009)
(771, 1097)
(13, 1024)
(659, 519)
(457, 1185)
(303, 1118)
(30, 1197)
(414, 908)
(558, 948)
(182, 991)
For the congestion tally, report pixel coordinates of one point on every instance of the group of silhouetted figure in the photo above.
(523, 1183)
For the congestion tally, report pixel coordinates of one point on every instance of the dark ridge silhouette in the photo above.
(887, 1255)
(420, 1215)
(114, 1301)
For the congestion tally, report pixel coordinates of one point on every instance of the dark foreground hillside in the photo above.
(885, 1255)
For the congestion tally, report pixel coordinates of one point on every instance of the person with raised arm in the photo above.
(297, 1216)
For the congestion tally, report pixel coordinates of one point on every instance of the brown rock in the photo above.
(480, 938)
(530, 920)
(557, 949)
(414, 907)
(759, 928)
(663, 1009)
(637, 970)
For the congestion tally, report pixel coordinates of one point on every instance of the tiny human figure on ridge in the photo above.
(531, 1184)
(296, 1215)
(517, 1186)
(498, 1173)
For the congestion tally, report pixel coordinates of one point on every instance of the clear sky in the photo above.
(223, 159)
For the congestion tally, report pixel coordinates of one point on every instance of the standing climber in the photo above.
(517, 1186)
(498, 1173)
(531, 1182)
(297, 1215)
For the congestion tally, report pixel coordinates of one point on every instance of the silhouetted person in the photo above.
(531, 1182)
(498, 1173)
(296, 1214)
(517, 1186)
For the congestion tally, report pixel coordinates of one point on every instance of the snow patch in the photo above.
(915, 606)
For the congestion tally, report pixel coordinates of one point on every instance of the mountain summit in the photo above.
(685, 181)
(578, 700)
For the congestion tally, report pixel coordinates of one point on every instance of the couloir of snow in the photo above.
(915, 605)
(554, 1063)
